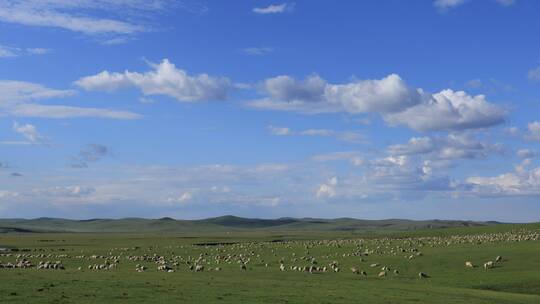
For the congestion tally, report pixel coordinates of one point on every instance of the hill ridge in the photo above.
(226, 223)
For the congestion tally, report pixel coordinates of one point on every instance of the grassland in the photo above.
(440, 253)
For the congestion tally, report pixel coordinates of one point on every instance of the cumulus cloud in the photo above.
(346, 136)
(401, 175)
(17, 98)
(390, 178)
(183, 198)
(398, 103)
(89, 154)
(315, 95)
(449, 110)
(328, 189)
(453, 146)
(274, 9)
(164, 79)
(533, 131)
(523, 181)
(29, 132)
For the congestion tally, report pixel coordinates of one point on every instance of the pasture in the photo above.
(273, 267)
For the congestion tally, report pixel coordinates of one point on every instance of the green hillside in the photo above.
(225, 223)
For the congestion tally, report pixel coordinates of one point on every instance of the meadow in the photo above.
(265, 266)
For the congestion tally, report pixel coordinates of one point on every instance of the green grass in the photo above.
(225, 223)
(515, 280)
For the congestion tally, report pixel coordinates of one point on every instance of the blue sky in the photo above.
(191, 109)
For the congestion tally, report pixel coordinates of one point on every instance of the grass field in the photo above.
(440, 253)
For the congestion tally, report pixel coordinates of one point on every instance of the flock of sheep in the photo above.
(312, 257)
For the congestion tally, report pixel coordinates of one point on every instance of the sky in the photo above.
(194, 108)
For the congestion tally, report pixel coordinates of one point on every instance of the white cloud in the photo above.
(183, 198)
(453, 146)
(274, 8)
(474, 83)
(64, 191)
(416, 145)
(533, 131)
(88, 154)
(506, 2)
(30, 132)
(523, 181)
(512, 131)
(355, 158)
(526, 153)
(317, 132)
(448, 4)
(222, 189)
(391, 97)
(8, 194)
(328, 189)
(38, 51)
(59, 112)
(346, 136)
(6, 52)
(279, 131)
(165, 79)
(79, 15)
(315, 95)
(257, 51)
(449, 110)
(17, 97)
(19, 91)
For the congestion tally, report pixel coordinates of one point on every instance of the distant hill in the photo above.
(223, 224)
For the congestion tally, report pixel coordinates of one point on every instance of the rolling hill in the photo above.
(225, 223)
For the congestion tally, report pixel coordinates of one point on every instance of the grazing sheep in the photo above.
(498, 259)
(422, 275)
(382, 274)
(469, 264)
(488, 265)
